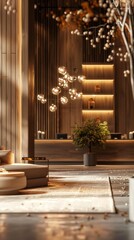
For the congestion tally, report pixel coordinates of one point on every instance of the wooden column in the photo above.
(10, 79)
(28, 78)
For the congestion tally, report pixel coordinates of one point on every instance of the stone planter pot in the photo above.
(89, 159)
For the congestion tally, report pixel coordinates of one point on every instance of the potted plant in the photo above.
(91, 134)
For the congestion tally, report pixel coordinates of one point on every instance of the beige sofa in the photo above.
(36, 175)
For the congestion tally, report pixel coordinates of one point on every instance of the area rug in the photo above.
(65, 194)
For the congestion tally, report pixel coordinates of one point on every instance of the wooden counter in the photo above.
(65, 151)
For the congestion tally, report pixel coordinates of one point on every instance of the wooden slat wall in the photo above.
(124, 102)
(70, 56)
(45, 73)
(27, 71)
(9, 81)
(71, 52)
(58, 49)
(53, 49)
(17, 79)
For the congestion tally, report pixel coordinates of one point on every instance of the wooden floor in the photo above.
(77, 226)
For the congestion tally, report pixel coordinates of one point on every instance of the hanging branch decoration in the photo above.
(124, 18)
(105, 20)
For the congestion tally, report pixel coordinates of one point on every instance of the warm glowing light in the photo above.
(9, 7)
(98, 111)
(43, 100)
(40, 97)
(98, 96)
(81, 78)
(64, 100)
(56, 90)
(109, 81)
(53, 108)
(93, 66)
(62, 70)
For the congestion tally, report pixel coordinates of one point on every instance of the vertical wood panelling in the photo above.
(3, 99)
(10, 81)
(25, 78)
(67, 50)
(54, 48)
(45, 71)
(0, 69)
(70, 55)
(3, 74)
(13, 104)
(31, 78)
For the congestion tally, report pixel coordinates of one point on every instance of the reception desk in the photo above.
(114, 151)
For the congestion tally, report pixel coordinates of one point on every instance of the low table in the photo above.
(12, 182)
(37, 161)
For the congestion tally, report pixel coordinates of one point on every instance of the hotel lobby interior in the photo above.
(64, 64)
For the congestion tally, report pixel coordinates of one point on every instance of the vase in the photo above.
(89, 159)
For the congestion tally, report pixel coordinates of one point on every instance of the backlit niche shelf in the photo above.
(98, 93)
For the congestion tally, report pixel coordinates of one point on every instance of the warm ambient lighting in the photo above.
(93, 80)
(40, 97)
(64, 100)
(52, 108)
(103, 115)
(113, 19)
(93, 66)
(65, 82)
(97, 111)
(9, 7)
(98, 96)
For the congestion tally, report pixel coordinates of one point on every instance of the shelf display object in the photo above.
(98, 93)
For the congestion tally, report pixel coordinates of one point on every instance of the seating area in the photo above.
(12, 182)
(36, 175)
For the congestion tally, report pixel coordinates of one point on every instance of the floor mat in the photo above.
(65, 194)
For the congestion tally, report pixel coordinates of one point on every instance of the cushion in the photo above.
(30, 170)
(6, 157)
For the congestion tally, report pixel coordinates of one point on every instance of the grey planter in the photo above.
(89, 159)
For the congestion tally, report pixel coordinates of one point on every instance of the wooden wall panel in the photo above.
(17, 79)
(0, 70)
(124, 102)
(63, 49)
(10, 81)
(45, 72)
(53, 49)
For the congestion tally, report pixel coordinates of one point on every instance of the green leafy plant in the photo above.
(91, 133)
